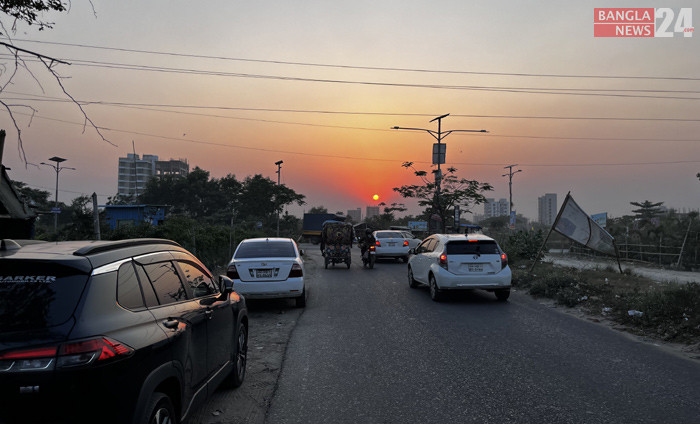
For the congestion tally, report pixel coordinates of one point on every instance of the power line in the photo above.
(525, 90)
(233, 146)
(327, 112)
(374, 68)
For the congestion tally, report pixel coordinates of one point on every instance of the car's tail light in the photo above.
(405, 243)
(296, 271)
(378, 243)
(443, 261)
(504, 260)
(372, 248)
(84, 352)
(232, 272)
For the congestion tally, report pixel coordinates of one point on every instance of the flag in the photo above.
(574, 223)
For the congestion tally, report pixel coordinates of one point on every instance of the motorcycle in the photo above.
(369, 256)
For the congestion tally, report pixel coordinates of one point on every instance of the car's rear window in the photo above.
(388, 234)
(464, 247)
(35, 295)
(265, 249)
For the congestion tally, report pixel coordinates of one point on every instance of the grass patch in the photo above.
(666, 311)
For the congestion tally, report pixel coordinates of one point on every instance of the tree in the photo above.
(647, 210)
(454, 191)
(28, 11)
(318, 209)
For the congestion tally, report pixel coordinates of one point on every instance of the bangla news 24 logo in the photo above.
(642, 22)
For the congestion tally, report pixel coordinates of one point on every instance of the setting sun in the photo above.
(375, 197)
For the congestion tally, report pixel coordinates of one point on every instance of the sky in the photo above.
(234, 87)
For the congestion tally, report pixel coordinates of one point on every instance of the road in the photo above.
(370, 349)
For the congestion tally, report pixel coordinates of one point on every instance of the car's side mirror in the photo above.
(301, 252)
(411, 251)
(225, 284)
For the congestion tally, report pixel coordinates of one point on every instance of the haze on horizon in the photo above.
(234, 87)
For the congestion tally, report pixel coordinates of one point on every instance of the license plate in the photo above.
(391, 244)
(263, 273)
(476, 267)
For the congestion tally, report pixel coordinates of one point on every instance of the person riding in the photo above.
(366, 241)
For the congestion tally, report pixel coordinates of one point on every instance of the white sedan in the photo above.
(267, 268)
(391, 244)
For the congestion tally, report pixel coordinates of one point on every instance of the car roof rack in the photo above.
(101, 247)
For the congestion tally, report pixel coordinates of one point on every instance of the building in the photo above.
(547, 208)
(121, 215)
(371, 212)
(493, 208)
(135, 171)
(355, 214)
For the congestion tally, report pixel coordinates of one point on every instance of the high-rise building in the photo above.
(135, 171)
(547, 208)
(355, 214)
(493, 208)
(371, 212)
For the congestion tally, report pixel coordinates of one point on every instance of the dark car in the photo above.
(131, 331)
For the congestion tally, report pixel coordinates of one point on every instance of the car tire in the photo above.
(412, 283)
(240, 358)
(435, 292)
(160, 410)
(405, 259)
(301, 300)
(502, 294)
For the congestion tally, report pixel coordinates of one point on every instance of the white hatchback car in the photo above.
(266, 268)
(460, 262)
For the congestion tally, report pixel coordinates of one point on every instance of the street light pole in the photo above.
(439, 136)
(510, 184)
(58, 168)
(279, 171)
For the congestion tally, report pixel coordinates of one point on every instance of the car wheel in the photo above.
(502, 294)
(240, 358)
(405, 259)
(412, 283)
(160, 410)
(435, 292)
(301, 300)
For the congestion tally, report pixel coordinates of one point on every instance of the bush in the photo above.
(523, 246)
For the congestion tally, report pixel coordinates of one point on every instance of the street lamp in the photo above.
(279, 169)
(438, 153)
(510, 185)
(58, 168)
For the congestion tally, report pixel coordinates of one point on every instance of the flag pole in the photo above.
(550, 231)
(617, 254)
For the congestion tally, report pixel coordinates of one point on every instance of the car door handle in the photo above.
(171, 323)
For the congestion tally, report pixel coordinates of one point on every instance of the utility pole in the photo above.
(439, 153)
(279, 171)
(510, 185)
(58, 168)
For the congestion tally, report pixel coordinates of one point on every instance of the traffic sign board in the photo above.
(55, 210)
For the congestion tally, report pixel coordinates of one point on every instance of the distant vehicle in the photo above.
(413, 241)
(313, 224)
(391, 244)
(268, 268)
(473, 229)
(129, 331)
(460, 262)
(336, 243)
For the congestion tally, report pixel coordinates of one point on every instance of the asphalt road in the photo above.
(370, 349)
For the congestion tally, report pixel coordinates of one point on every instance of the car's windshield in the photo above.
(388, 234)
(265, 249)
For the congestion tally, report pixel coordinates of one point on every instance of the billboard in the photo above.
(418, 225)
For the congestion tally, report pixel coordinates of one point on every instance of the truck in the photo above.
(313, 224)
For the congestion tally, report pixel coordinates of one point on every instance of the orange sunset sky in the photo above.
(236, 86)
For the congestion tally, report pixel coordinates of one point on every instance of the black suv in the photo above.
(130, 331)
